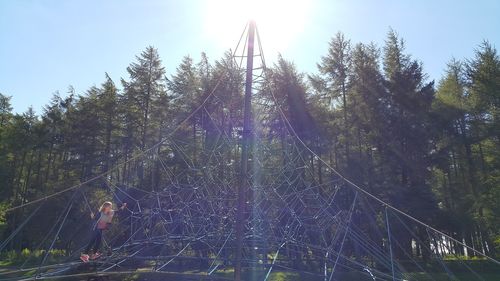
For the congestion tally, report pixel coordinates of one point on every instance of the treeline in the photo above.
(369, 111)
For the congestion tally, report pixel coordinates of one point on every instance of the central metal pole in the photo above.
(245, 144)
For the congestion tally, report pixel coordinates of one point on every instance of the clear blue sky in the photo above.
(47, 45)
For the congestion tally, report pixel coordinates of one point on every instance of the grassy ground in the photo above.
(27, 257)
(10, 261)
(276, 276)
(458, 277)
(292, 276)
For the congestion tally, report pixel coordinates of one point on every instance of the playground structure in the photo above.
(259, 216)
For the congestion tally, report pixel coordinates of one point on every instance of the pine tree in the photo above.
(407, 144)
(5, 109)
(335, 68)
(108, 107)
(146, 85)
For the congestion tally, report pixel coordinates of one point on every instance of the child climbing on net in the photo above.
(102, 221)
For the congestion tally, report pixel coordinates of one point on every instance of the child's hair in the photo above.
(104, 205)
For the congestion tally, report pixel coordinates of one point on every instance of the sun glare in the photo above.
(279, 21)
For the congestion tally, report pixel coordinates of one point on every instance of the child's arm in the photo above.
(124, 205)
(113, 212)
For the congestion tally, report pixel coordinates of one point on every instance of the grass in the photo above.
(458, 277)
(13, 258)
(259, 274)
(247, 276)
(293, 276)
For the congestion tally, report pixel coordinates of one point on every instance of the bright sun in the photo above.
(278, 21)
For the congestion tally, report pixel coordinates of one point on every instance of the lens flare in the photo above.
(279, 21)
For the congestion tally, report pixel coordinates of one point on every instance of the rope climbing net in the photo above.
(182, 222)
